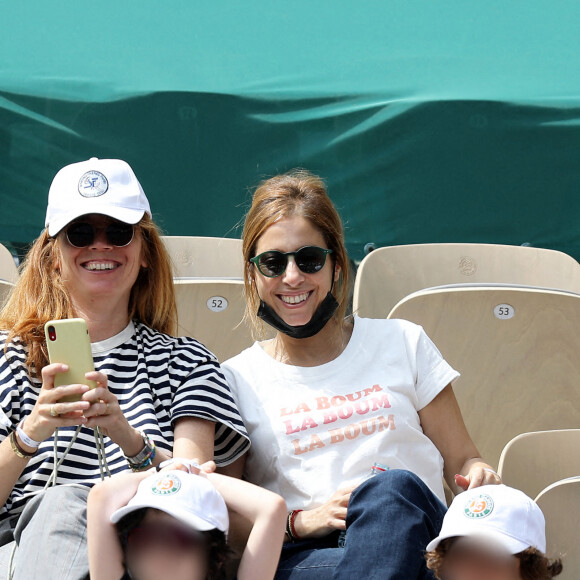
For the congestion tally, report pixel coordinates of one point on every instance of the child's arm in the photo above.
(267, 512)
(105, 552)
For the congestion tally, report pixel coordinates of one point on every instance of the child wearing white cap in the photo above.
(493, 532)
(173, 524)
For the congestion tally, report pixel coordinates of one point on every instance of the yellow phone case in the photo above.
(68, 343)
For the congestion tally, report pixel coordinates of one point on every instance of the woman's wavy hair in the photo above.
(533, 564)
(296, 193)
(40, 294)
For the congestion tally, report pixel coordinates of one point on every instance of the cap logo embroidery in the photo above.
(93, 184)
(478, 507)
(166, 485)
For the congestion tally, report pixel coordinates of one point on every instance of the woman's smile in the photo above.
(295, 300)
(100, 265)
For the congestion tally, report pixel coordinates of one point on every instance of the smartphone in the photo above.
(68, 343)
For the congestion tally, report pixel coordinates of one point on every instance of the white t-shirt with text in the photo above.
(315, 429)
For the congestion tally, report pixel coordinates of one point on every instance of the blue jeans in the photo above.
(390, 519)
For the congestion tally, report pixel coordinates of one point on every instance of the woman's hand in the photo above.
(323, 520)
(50, 412)
(479, 473)
(188, 465)
(105, 412)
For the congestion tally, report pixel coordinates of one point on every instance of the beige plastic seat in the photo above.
(518, 350)
(533, 461)
(212, 311)
(387, 275)
(201, 257)
(560, 502)
(8, 269)
(5, 288)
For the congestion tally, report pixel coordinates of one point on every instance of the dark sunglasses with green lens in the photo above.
(309, 259)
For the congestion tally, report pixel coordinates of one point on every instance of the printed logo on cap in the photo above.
(478, 507)
(167, 485)
(93, 184)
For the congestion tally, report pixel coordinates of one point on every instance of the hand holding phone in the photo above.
(68, 343)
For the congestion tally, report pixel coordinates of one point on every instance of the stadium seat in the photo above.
(518, 352)
(8, 269)
(212, 310)
(388, 274)
(5, 288)
(201, 257)
(533, 461)
(560, 502)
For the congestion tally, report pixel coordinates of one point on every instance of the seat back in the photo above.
(212, 311)
(517, 350)
(202, 257)
(8, 269)
(533, 461)
(387, 275)
(559, 502)
(5, 288)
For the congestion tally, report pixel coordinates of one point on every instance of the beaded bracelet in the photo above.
(145, 457)
(17, 449)
(290, 528)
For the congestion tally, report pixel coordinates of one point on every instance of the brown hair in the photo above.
(533, 564)
(296, 193)
(40, 295)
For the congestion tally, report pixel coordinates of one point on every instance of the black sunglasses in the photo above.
(82, 234)
(309, 259)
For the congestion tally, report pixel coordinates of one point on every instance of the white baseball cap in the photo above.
(499, 514)
(191, 499)
(103, 186)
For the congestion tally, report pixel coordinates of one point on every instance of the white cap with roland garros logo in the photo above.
(191, 499)
(505, 516)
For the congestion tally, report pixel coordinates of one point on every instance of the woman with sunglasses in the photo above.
(100, 258)
(328, 397)
(173, 525)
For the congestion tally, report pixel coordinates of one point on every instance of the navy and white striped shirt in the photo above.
(157, 380)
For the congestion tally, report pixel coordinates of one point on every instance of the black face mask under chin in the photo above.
(323, 314)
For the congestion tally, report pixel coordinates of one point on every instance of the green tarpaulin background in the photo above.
(430, 121)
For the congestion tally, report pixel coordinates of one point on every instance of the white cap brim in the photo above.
(122, 214)
(191, 521)
(493, 538)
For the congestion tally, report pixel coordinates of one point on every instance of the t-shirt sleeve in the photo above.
(204, 392)
(9, 398)
(434, 373)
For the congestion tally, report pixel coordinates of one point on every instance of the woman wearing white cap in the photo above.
(492, 533)
(173, 524)
(100, 258)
